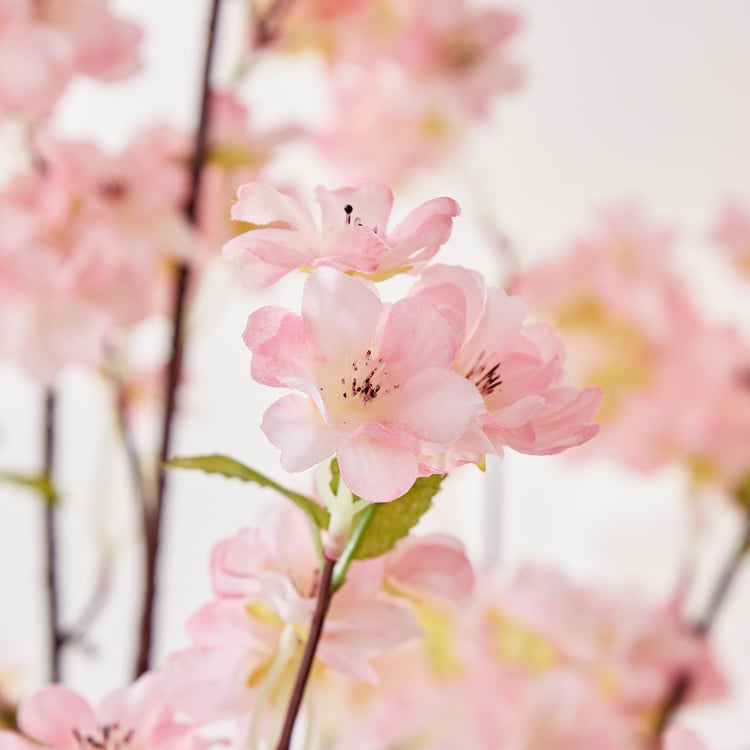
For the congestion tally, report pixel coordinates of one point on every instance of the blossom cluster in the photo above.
(45, 43)
(676, 383)
(439, 378)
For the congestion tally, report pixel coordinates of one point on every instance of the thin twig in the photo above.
(325, 595)
(701, 627)
(153, 515)
(54, 636)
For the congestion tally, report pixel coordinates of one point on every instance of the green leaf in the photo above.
(38, 482)
(393, 521)
(228, 467)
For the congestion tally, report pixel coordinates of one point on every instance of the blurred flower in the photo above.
(731, 233)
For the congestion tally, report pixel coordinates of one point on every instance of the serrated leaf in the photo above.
(36, 482)
(393, 521)
(228, 467)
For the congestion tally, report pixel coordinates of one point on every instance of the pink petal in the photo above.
(434, 565)
(140, 706)
(294, 425)
(437, 405)
(426, 228)
(261, 263)
(416, 336)
(341, 312)
(350, 247)
(260, 203)
(281, 347)
(376, 464)
(51, 714)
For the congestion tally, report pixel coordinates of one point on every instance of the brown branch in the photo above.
(54, 635)
(153, 515)
(316, 629)
(701, 628)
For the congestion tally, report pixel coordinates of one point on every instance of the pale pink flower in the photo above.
(675, 385)
(138, 717)
(354, 235)
(43, 44)
(680, 738)
(374, 379)
(517, 368)
(266, 581)
(90, 241)
(731, 232)
(423, 128)
(537, 663)
(462, 49)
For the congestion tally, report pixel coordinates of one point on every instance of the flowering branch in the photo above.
(55, 638)
(325, 594)
(152, 517)
(702, 627)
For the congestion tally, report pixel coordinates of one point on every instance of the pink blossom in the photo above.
(89, 242)
(536, 663)
(680, 738)
(58, 718)
(375, 383)
(675, 384)
(731, 232)
(43, 44)
(516, 368)
(266, 581)
(353, 236)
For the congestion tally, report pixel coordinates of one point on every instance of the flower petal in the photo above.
(51, 714)
(296, 427)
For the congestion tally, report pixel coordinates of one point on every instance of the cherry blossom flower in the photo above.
(375, 383)
(136, 717)
(516, 368)
(536, 662)
(247, 641)
(89, 243)
(43, 44)
(354, 235)
(675, 384)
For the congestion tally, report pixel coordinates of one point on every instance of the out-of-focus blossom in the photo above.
(354, 235)
(137, 717)
(237, 153)
(420, 72)
(675, 385)
(43, 43)
(375, 381)
(88, 239)
(731, 232)
(517, 368)
(537, 663)
(247, 642)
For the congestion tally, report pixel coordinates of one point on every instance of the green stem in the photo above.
(342, 566)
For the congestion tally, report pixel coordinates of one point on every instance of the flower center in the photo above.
(485, 377)
(366, 380)
(357, 221)
(108, 737)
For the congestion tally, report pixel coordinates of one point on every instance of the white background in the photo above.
(644, 99)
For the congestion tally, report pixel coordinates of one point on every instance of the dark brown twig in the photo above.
(316, 629)
(153, 515)
(54, 635)
(701, 628)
